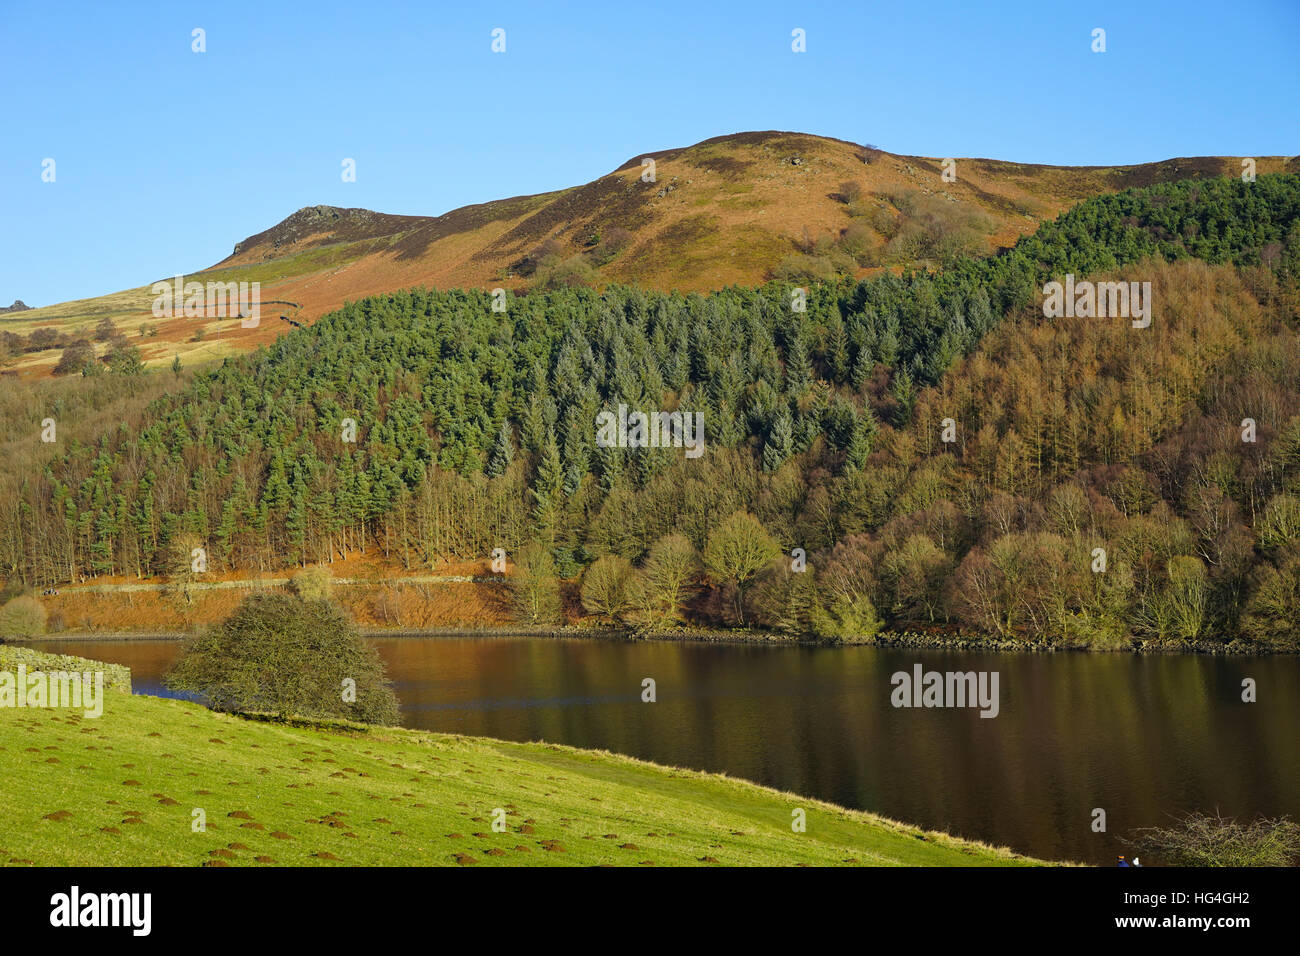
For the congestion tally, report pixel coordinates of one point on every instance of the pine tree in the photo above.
(863, 365)
(780, 440)
(503, 452)
(547, 491)
(798, 367)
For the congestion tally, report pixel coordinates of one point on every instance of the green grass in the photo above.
(345, 795)
(131, 307)
(310, 260)
(136, 302)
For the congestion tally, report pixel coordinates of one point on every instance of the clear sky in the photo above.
(164, 158)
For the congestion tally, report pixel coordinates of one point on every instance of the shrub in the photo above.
(312, 584)
(1203, 840)
(847, 620)
(880, 218)
(106, 330)
(43, 338)
(565, 274)
(280, 655)
(124, 360)
(801, 267)
(934, 229)
(609, 245)
(859, 241)
(846, 582)
(24, 616)
(11, 588)
(850, 191)
(549, 252)
(74, 358)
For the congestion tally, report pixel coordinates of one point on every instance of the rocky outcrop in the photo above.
(327, 224)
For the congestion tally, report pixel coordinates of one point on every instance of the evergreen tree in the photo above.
(503, 452)
(780, 441)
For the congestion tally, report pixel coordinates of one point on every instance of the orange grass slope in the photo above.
(735, 209)
(376, 593)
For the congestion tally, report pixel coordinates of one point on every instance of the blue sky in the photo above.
(165, 157)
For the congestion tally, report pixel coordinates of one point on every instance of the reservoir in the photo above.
(1143, 738)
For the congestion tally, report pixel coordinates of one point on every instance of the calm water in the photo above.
(1141, 737)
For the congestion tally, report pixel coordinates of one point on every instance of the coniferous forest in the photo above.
(914, 451)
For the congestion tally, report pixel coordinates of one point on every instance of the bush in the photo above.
(845, 611)
(280, 655)
(312, 584)
(549, 252)
(847, 621)
(124, 360)
(850, 191)
(859, 241)
(801, 267)
(1203, 840)
(105, 330)
(877, 217)
(24, 616)
(11, 588)
(43, 338)
(74, 358)
(933, 229)
(565, 274)
(608, 246)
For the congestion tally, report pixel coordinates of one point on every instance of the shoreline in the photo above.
(899, 640)
(681, 811)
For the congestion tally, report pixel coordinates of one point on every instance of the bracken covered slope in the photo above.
(737, 209)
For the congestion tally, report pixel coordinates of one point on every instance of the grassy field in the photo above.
(120, 790)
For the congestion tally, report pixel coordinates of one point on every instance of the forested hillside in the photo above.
(474, 429)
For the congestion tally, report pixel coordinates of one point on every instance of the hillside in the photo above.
(738, 209)
(121, 790)
(474, 431)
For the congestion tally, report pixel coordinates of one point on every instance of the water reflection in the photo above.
(1141, 737)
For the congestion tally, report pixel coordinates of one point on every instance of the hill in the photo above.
(738, 209)
(423, 426)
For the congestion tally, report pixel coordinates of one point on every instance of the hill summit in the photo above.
(739, 209)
